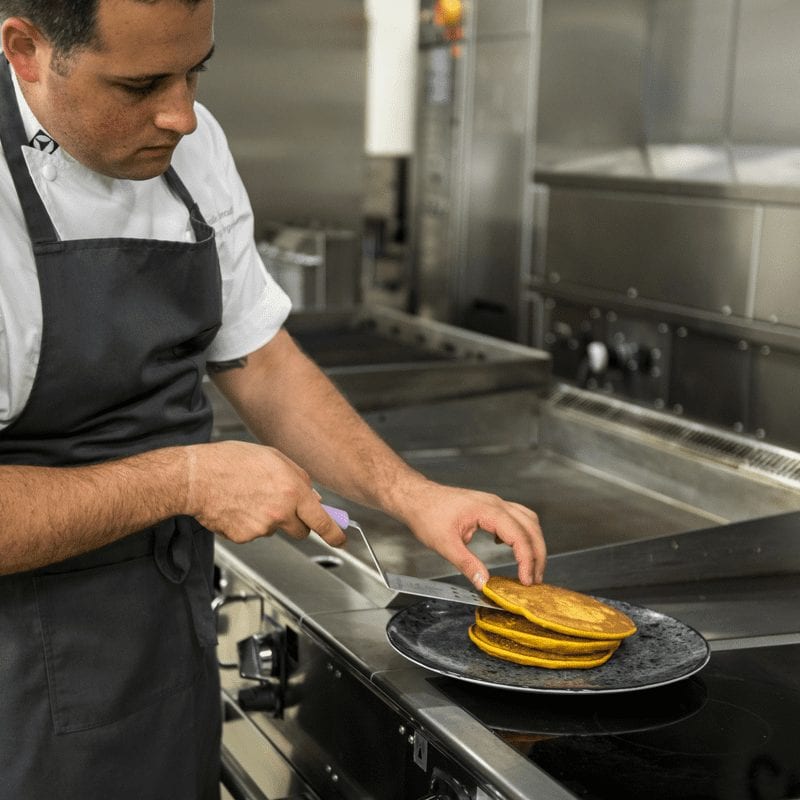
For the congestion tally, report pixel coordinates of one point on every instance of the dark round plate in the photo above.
(433, 634)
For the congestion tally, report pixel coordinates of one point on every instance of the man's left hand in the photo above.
(446, 518)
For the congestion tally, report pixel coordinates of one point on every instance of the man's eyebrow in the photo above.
(162, 75)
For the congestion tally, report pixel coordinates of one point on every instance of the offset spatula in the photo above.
(405, 583)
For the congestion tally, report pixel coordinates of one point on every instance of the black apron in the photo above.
(108, 678)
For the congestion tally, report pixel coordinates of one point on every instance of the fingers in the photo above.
(527, 544)
(510, 523)
(530, 558)
(319, 521)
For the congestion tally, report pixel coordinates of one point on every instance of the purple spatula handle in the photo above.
(338, 515)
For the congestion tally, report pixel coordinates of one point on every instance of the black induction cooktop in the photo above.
(732, 732)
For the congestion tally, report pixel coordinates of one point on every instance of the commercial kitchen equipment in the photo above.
(668, 206)
(289, 89)
(348, 716)
(638, 507)
(620, 177)
(471, 214)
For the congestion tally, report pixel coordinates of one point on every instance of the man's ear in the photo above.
(25, 47)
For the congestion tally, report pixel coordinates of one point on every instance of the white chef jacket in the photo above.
(85, 205)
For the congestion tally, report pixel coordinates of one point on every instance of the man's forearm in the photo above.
(48, 514)
(290, 404)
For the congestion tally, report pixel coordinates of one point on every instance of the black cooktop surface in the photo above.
(732, 732)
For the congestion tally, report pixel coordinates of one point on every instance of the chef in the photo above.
(128, 270)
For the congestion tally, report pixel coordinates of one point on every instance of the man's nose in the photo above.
(176, 110)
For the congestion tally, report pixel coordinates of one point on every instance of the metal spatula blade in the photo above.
(406, 583)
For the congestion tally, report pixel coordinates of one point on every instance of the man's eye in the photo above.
(139, 90)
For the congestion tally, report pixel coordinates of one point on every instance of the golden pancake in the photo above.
(559, 609)
(508, 650)
(518, 629)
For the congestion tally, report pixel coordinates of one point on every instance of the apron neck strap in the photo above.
(178, 188)
(13, 138)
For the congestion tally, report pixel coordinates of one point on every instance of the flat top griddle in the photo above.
(356, 348)
(433, 634)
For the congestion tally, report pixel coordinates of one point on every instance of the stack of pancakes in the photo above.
(548, 626)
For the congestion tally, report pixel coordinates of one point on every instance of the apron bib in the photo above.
(107, 662)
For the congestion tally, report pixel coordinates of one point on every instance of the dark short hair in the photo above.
(67, 24)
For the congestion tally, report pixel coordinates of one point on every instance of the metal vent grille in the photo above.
(774, 462)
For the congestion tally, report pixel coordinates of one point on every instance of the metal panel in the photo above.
(778, 284)
(721, 475)
(688, 70)
(438, 199)
(507, 16)
(766, 101)
(696, 90)
(288, 84)
(710, 379)
(590, 77)
(684, 252)
(758, 547)
(617, 74)
(775, 399)
(496, 176)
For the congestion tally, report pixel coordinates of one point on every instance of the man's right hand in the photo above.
(243, 491)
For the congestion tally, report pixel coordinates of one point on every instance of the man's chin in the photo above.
(144, 166)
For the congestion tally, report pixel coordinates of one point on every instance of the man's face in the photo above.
(120, 107)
